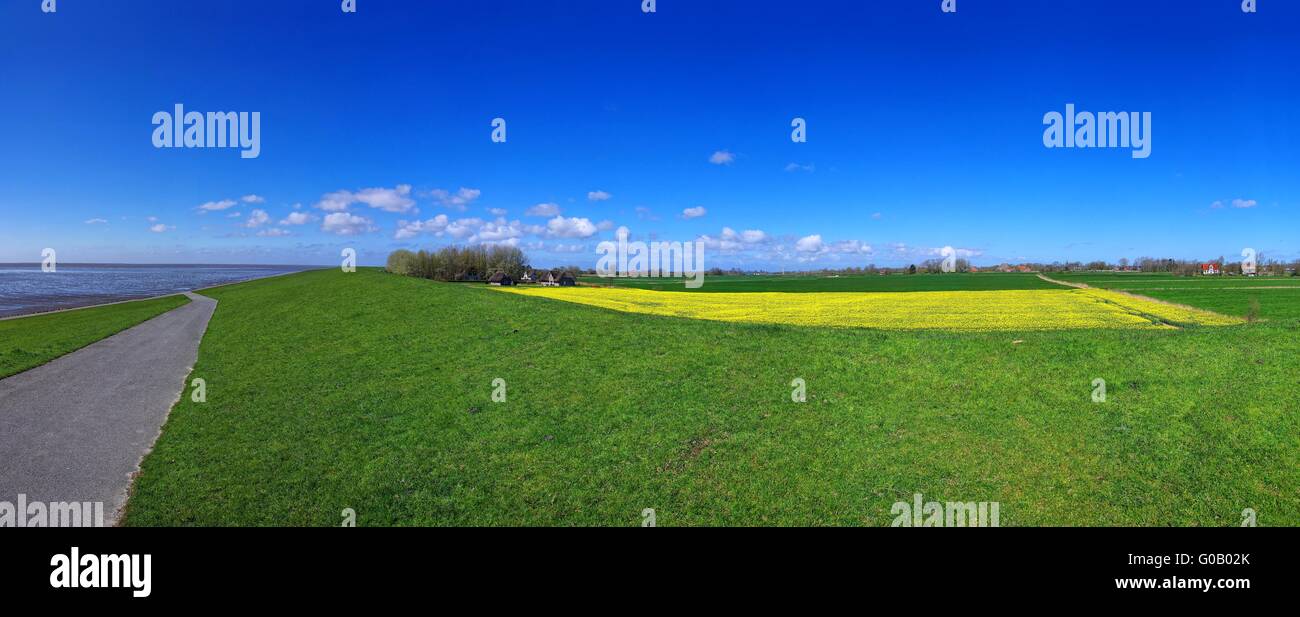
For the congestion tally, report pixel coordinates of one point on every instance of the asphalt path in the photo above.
(76, 429)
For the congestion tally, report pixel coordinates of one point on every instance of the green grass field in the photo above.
(373, 392)
(1278, 297)
(809, 283)
(29, 342)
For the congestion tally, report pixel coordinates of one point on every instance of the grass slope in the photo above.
(370, 391)
(808, 283)
(28, 342)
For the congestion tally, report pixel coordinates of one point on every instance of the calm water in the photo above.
(25, 289)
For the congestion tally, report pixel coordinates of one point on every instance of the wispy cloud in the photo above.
(215, 206)
(722, 157)
(544, 210)
(96, 221)
(598, 196)
(694, 213)
(460, 200)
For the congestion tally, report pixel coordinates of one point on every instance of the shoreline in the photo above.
(98, 301)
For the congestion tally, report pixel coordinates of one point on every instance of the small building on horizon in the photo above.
(1210, 269)
(501, 279)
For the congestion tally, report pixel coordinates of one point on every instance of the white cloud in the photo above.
(497, 211)
(798, 167)
(213, 206)
(544, 210)
(409, 229)
(257, 218)
(151, 219)
(160, 228)
(560, 227)
(337, 201)
(959, 252)
(876, 216)
(298, 218)
(605, 225)
(234, 215)
(96, 221)
(497, 232)
(694, 213)
(273, 232)
(1243, 203)
(460, 200)
(730, 240)
(463, 228)
(252, 199)
(347, 224)
(1217, 204)
(598, 196)
(397, 199)
(850, 247)
(809, 244)
(722, 157)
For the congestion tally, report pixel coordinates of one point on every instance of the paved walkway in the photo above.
(76, 429)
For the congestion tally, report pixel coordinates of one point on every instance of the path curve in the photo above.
(76, 429)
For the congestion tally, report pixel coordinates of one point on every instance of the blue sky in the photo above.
(924, 129)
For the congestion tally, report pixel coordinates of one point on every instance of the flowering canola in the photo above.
(1038, 309)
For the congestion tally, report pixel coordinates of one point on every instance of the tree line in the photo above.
(454, 263)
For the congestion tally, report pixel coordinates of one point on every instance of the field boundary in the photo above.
(1136, 311)
(1063, 283)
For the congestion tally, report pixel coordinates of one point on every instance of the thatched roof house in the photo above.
(501, 278)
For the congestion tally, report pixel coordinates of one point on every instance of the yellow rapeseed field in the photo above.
(921, 310)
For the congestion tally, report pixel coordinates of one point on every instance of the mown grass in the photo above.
(370, 391)
(816, 283)
(28, 342)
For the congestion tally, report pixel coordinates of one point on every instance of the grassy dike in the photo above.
(28, 342)
(371, 391)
